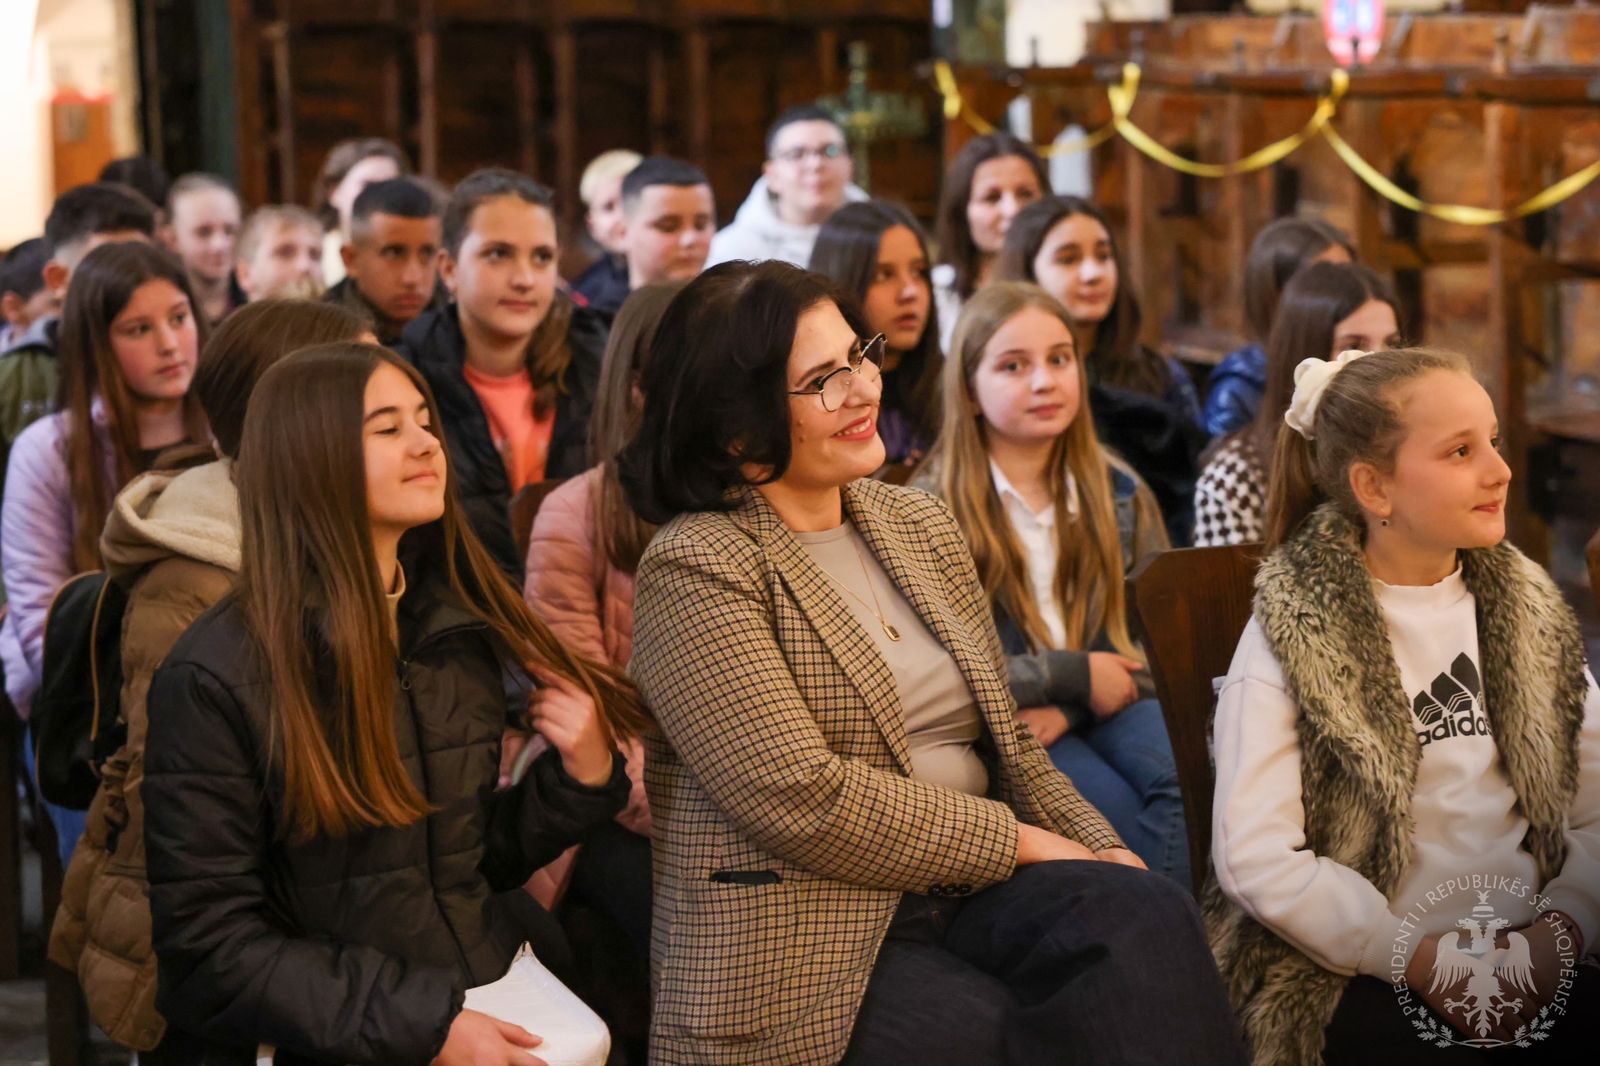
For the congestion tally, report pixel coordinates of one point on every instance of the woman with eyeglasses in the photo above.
(859, 853)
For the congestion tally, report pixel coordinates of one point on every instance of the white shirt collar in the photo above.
(1003, 488)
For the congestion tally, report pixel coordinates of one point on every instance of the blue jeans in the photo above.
(68, 823)
(1124, 766)
(1086, 963)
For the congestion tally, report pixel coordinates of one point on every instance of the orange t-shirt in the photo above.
(521, 438)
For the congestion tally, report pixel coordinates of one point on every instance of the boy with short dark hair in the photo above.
(24, 299)
(391, 257)
(669, 217)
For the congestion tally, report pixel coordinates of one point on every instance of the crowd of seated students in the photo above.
(814, 678)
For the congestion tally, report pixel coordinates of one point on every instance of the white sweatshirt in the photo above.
(1466, 817)
(757, 232)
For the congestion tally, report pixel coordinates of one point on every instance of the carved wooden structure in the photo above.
(545, 85)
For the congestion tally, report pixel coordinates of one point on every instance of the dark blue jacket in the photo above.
(1236, 388)
(434, 344)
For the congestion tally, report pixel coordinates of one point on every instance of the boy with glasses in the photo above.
(805, 179)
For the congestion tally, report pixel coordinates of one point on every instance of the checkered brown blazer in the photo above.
(786, 820)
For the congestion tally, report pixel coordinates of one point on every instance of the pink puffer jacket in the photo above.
(588, 605)
(585, 600)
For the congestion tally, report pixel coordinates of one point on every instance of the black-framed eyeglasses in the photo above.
(800, 154)
(833, 388)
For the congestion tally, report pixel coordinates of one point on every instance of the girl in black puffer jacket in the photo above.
(324, 835)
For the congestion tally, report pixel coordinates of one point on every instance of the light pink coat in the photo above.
(585, 600)
(588, 605)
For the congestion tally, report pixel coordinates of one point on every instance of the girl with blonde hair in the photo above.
(1054, 522)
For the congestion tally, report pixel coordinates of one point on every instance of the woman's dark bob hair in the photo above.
(716, 387)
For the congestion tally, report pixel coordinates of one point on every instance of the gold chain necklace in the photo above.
(874, 606)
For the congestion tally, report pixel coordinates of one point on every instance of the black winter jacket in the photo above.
(435, 345)
(355, 949)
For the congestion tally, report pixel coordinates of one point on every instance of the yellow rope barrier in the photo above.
(1320, 124)
(1122, 97)
(1564, 189)
(955, 107)
(1082, 144)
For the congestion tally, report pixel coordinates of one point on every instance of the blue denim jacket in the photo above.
(1058, 677)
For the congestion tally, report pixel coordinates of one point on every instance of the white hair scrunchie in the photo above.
(1311, 380)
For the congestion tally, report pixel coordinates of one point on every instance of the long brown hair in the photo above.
(549, 350)
(953, 232)
(847, 251)
(1283, 246)
(102, 285)
(252, 339)
(1117, 357)
(1357, 421)
(623, 534)
(1088, 584)
(310, 591)
(1313, 304)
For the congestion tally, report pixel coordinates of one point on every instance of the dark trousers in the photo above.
(1067, 962)
(612, 875)
(1370, 1029)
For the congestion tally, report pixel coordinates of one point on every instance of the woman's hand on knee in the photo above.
(1041, 845)
(1047, 724)
(478, 1040)
(1122, 857)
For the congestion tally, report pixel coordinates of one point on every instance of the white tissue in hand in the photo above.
(530, 996)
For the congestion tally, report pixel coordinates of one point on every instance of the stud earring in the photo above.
(1383, 521)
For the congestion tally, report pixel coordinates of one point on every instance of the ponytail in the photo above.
(1292, 491)
(1356, 421)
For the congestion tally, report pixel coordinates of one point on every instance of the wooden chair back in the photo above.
(1188, 607)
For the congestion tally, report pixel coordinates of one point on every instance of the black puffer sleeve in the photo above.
(545, 813)
(230, 971)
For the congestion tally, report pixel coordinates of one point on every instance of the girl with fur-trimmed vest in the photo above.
(1407, 819)
(1054, 520)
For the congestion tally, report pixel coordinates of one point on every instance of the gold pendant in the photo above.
(894, 634)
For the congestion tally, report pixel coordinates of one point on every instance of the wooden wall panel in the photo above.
(545, 86)
(334, 98)
(478, 120)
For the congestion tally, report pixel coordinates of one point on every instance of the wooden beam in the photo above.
(427, 90)
(527, 93)
(564, 55)
(828, 59)
(658, 89)
(1137, 192)
(253, 144)
(276, 34)
(697, 46)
